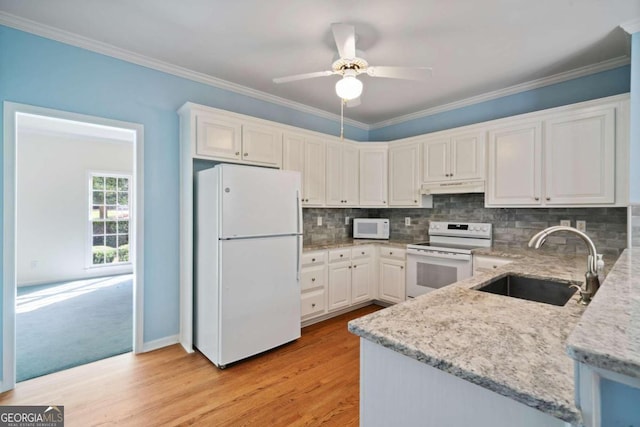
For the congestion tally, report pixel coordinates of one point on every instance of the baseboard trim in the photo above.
(160, 343)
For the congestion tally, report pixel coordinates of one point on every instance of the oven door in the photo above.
(430, 270)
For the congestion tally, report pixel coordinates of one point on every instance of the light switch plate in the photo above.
(565, 222)
(581, 226)
(407, 220)
(319, 221)
(346, 220)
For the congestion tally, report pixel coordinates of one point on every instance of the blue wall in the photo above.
(599, 85)
(634, 154)
(42, 72)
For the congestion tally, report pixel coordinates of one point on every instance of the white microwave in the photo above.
(371, 228)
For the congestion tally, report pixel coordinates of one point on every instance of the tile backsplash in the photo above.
(635, 226)
(512, 228)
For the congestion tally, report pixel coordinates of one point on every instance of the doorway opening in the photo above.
(72, 249)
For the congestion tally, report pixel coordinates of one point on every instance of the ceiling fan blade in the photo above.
(345, 37)
(408, 73)
(303, 76)
(353, 102)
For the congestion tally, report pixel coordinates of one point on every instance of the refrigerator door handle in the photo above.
(299, 257)
(299, 211)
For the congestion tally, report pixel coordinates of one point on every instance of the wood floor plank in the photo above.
(312, 381)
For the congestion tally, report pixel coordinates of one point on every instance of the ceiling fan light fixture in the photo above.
(349, 87)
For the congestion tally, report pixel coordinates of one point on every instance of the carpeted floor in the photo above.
(63, 325)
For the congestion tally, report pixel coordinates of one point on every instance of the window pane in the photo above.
(98, 183)
(123, 184)
(98, 197)
(97, 212)
(123, 227)
(112, 227)
(123, 239)
(111, 198)
(111, 241)
(98, 227)
(112, 212)
(98, 256)
(123, 199)
(98, 240)
(123, 212)
(111, 183)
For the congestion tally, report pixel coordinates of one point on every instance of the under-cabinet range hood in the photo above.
(453, 187)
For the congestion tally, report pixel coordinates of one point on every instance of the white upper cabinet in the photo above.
(307, 156)
(404, 175)
(342, 174)
(226, 138)
(373, 176)
(566, 158)
(514, 176)
(452, 156)
(579, 153)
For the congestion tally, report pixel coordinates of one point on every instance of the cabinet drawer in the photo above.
(314, 258)
(394, 253)
(361, 252)
(340, 255)
(312, 303)
(313, 277)
(488, 263)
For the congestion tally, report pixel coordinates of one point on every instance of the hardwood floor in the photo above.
(312, 381)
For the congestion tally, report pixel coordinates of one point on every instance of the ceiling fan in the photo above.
(349, 66)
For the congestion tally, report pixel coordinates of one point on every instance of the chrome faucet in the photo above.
(591, 283)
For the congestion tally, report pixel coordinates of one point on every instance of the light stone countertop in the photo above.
(514, 347)
(608, 335)
(397, 243)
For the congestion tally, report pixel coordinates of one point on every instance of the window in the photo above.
(109, 219)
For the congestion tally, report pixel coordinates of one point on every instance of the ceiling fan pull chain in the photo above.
(342, 102)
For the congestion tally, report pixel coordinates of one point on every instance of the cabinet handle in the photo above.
(355, 266)
(536, 198)
(402, 267)
(349, 266)
(390, 253)
(313, 279)
(384, 201)
(415, 201)
(313, 260)
(495, 266)
(246, 154)
(237, 153)
(548, 198)
(341, 255)
(362, 253)
(313, 305)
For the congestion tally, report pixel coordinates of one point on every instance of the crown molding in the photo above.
(511, 90)
(73, 39)
(632, 26)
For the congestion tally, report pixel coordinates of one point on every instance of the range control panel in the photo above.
(460, 229)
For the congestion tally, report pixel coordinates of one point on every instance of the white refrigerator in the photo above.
(248, 242)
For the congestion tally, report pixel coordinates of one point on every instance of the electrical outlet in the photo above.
(407, 221)
(581, 226)
(346, 220)
(565, 222)
(319, 221)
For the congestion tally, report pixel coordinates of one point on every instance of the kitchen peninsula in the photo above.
(457, 356)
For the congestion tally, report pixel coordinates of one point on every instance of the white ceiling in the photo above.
(474, 46)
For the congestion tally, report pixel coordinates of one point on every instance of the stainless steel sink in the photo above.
(545, 291)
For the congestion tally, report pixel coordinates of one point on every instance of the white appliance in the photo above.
(453, 187)
(371, 228)
(248, 241)
(446, 258)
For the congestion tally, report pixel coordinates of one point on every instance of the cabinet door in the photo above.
(350, 175)
(404, 185)
(514, 175)
(261, 144)
(361, 280)
(373, 177)
(218, 138)
(293, 155)
(334, 176)
(579, 158)
(435, 160)
(392, 280)
(339, 285)
(467, 157)
(314, 172)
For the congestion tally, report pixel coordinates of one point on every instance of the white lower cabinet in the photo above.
(313, 285)
(392, 275)
(339, 285)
